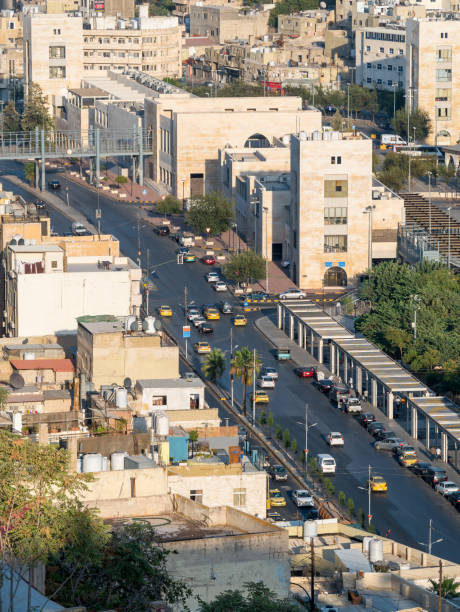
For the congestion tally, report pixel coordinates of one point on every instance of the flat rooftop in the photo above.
(168, 383)
(38, 248)
(95, 267)
(103, 327)
(89, 92)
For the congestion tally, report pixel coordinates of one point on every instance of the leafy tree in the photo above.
(161, 8)
(127, 572)
(398, 338)
(169, 206)
(29, 171)
(418, 118)
(121, 180)
(263, 417)
(294, 446)
(342, 498)
(450, 589)
(351, 506)
(286, 7)
(278, 432)
(36, 112)
(213, 212)
(245, 267)
(193, 439)
(214, 365)
(258, 598)
(270, 419)
(361, 517)
(242, 365)
(336, 121)
(287, 438)
(11, 118)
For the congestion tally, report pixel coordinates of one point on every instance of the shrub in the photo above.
(263, 417)
(278, 432)
(361, 516)
(294, 446)
(342, 498)
(286, 438)
(121, 180)
(351, 506)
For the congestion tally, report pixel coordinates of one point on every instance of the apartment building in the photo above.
(224, 23)
(381, 57)
(188, 133)
(182, 8)
(49, 285)
(433, 81)
(305, 24)
(78, 49)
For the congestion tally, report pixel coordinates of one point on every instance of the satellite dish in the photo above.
(16, 381)
(157, 325)
(322, 5)
(128, 383)
(25, 341)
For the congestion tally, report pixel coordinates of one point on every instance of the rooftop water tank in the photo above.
(92, 462)
(105, 464)
(148, 325)
(161, 424)
(366, 541)
(117, 460)
(130, 323)
(375, 550)
(310, 530)
(17, 421)
(121, 397)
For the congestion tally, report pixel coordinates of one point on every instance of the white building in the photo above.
(47, 290)
(381, 57)
(170, 394)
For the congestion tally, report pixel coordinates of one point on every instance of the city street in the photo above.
(409, 503)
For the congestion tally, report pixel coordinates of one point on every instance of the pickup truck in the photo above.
(352, 404)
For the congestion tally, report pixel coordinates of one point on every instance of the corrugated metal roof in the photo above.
(57, 365)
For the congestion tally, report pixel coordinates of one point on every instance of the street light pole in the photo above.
(369, 210)
(265, 209)
(306, 441)
(394, 100)
(254, 387)
(429, 202)
(448, 238)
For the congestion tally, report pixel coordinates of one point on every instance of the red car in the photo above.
(305, 372)
(208, 260)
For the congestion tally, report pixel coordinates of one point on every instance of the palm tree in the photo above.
(214, 366)
(192, 438)
(449, 588)
(242, 365)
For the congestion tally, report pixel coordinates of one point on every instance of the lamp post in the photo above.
(429, 202)
(183, 193)
(394, 99)
(448, 238)
(307, 427)
(369, 496)
(265, 209)
(414, 324)
(369, 210)
(348, 104)
(408, 176)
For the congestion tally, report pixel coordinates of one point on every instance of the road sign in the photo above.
(98, 213)
(369, 516)
(185, 331)
(144, 192)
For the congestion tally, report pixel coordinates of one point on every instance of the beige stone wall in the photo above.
(61, 6)
(425, 39)
(116, 485)
(29, 230)
(227, 23)
(87, 246)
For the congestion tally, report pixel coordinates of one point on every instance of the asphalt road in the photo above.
(409, 503)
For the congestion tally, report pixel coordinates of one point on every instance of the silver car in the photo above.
(301, 498)
(292, 294)
(388, 444)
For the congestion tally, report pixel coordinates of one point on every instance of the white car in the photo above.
(335, 438)
(271, 372)
(193, 314)
(199, 321)
(292, 294)
(212, 277)
(301, 497)
(266, 382)
(220, 286)
(447, 487)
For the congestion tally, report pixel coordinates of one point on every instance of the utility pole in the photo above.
(429, 536)
(312, 576)
(448, 238)
(185, 318)
(265, 210)
(369, 491)
(254, 388)
(429, 202)
(440, 587)
(148, 282)
(138, 240)
(98, 212)
(306, 441)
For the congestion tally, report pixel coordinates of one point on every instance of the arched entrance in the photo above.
(335, 277)
(257, 141)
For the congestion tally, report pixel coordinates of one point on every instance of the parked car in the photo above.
(258, 295)
(310, 514)
(305, 371)
(388, 444)
(352, 405)
(267, 371)
(208, 260)
(335, 438)
(302, 498)
(220, 286)
(420, 468)
(407, 458)
(325, 385)
(212, 277)
(278, 472)
(266, 382)
(447, 487)
(162, 230)
(405, 448)
(454, 499)
(54, 185)
(40, 204)
(383, 435)
(375, 426)
(292, 294)
(366, 418)
(339, 393)
(434, 475)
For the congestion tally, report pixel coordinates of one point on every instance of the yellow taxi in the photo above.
(212, 314)
(261, 397)
(277, 498)
(377, 484)
(409, 458)
(240, 321)
(165, 311)
(202, 348)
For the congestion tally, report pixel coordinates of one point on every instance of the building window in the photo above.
(369, 65)
(335, 215)
(196, 495)
(57, 52)
(444, 74)
(368, 80)
(159, 400)
(54, 265)
(443, 114)
(121, 41)
(444, 55)
(400, 68)
(335, 189)
(381, 50)
(391, 51)
(379, 66)
(368, 48)
(443, 95)
(444, 35)
(379, 81)
(57, 31)
(57, 72)
(390, 83)
(390, 67)
(335, 244)
(239, 497)
(401, 52)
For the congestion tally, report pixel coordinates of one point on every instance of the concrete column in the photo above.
(141, 156)
(414, 423)
(291, 327)
(374, 392)
(332, 357)
(345, 368)
(43, 433)
(359, 380)
(312, 344)
(390, 405)
(98, 156)
(337, 361)
(280, 314)
(320, 350)
(444, 446)
(42, 152)
(427, 432)
(299, 333)
(305, 337)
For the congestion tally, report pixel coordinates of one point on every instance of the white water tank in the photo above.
(92, 462)
(130, 323)
(79, 464)
(310, 530)
(28, 356)
(17, 421)
(375, 550)
(121, 397)
(161, 424)
(117, 460)
(105, 464)
(366, 541)
(148, 325)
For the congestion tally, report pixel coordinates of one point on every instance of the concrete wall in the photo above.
(177, 397)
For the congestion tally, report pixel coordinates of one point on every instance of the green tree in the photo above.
(286, 7)
(11, 118)
(36, 112)
(294, 446)
(245, 267)
(193, 439)
(287, 438)
(342, 498)
(214, 365)
(128, 573)
(399, 338)
(270, 419)
(450, 588)
(278, 432)
(29, 171)
(169, 206)
(418, 118)
(263, 417)
(242, 365)
(361, 517)
(121, 180)
(211, 214)
(336, 121)
(351, 506)
(258, 598)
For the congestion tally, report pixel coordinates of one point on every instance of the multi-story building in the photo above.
(381, 57)
(305, 24)
(188, 133)
(225, 23)
(48, 286)
(182, 8)
(433, 77)
(77, 49)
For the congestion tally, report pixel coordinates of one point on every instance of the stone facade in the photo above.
(224, 23)
(381, 57)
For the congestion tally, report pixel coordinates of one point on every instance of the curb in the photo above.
(105, 193)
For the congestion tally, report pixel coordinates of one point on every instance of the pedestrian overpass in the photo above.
(94, 144)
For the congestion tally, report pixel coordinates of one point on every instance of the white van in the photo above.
(392, 139)
(326, 463)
